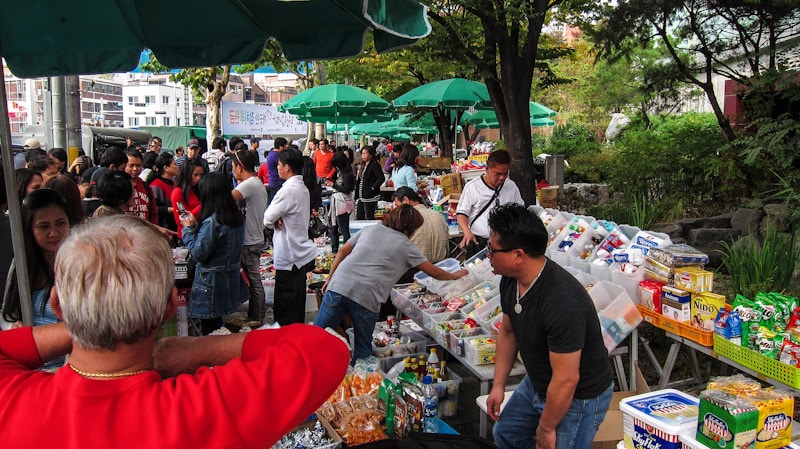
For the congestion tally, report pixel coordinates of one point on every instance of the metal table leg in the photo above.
(484, 418)
(672, 355)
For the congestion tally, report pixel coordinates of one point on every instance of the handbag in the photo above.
(316, 228)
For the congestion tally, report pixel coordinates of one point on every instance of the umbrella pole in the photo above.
(15, 215)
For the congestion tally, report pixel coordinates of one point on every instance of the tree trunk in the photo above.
(517, 137)
(442, 119)
(217, 88)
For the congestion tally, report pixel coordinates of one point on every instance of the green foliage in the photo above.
(571, 140)
(774, 147)
(538, 144)
(667, 159)
(589, 167)
(765, 266)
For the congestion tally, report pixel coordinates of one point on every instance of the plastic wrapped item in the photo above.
(310, 435)
(678, 255)
(362, 427)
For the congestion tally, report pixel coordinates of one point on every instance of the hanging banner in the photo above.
(240, 119)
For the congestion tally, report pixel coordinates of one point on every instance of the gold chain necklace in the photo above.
(107, 375)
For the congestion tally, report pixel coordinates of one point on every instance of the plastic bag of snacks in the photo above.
(362, 427)
(366, 377)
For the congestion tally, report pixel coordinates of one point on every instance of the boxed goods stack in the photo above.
(676, 294)
(735, 412)
(763, 334)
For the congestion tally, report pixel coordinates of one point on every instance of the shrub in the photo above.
(572, 140)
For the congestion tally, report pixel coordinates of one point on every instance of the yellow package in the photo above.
(705, 307)
(694, 279)
(775, 411)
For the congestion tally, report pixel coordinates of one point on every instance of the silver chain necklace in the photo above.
(518, 306)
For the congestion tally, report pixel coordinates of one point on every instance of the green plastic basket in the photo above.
(771, 368)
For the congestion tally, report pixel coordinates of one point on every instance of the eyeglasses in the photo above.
(490, 250)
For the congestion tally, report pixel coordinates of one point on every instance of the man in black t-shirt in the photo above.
(550, 319)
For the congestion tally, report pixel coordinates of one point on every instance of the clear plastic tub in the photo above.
(417, 344)
(629, 281)
(618, 315)
(457, 338)
(449, 264)
(579, 263)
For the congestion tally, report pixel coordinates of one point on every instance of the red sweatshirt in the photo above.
(324, 164)
(283, 376)
(192, 204)
(144, 206)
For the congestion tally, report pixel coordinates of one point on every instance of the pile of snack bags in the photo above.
(768, 324)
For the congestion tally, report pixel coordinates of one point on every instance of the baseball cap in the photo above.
(255, 139)
(32, 144)
(193, 143)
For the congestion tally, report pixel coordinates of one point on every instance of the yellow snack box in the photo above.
(694, 279)
(705, 307)
(775, 411)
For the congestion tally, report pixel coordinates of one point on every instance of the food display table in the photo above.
(484, 373)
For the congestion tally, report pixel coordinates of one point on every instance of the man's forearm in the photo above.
(52, 341)
(176, 355)
(560, 393)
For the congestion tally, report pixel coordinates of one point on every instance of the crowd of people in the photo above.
(97, 245)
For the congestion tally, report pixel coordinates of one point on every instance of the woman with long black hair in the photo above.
(215, 240)
(370, 178)
(186, 191)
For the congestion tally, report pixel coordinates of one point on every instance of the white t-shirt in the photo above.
(476, 194)
(255, 199)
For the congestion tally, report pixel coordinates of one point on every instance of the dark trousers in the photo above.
(342, 226)
(290, 295)
(366, 211)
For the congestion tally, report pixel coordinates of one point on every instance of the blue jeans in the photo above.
(331, 312)
(520, 418)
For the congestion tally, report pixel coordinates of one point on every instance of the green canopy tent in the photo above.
(86, 36)
(448, 100)
(540, 116)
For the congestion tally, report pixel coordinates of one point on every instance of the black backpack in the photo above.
(225, 165)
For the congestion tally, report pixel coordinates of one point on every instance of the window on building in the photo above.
(165, 121)
(133, 121)
(165, 99)
(150, 121)
(149, 99)
(178, 122)
(132, 100)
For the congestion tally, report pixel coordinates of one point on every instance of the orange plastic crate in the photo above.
(701, 336)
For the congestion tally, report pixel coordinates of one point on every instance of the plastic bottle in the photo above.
(433, 362)
(431, 392)
(414, 366)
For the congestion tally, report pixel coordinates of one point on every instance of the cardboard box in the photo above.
(610, 431)
(451, 183)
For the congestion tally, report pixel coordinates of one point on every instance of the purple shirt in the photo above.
(272, 168)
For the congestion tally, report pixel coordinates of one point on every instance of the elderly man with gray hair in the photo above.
(232, 391)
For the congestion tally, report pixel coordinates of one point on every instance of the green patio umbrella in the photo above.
(337, 103)
(451, 94)
(540, 115)
(448, 100)
(89, 36)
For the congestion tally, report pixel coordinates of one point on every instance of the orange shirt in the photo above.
(324, 163)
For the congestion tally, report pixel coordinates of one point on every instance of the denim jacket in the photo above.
(218, 286)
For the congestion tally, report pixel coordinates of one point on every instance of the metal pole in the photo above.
(59, 131)
(72, 109)
(17, 239)
(47, 120)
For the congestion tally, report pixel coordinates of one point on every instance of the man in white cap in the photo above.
(20, 159)
(32, 144)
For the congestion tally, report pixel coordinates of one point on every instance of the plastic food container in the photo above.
(617, 313)
(657, 419)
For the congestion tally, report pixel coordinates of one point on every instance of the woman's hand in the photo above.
(188, 220)
(279, 224)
